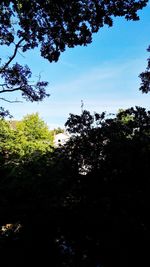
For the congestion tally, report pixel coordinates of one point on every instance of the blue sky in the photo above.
(104, 75)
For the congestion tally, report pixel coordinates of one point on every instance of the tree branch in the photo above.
(12, 57)
(10, 90)
(9, 101)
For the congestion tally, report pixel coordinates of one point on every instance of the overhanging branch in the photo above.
(12, 57)
(10, 90)
(10, 101)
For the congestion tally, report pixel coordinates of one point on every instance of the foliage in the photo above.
(58, 130)
(48, 24)
(34, 128)
(112, 199)
(95, 219)
(23, 138)
(52, 26)
(93, 135)
(4, 113)
(145, 77)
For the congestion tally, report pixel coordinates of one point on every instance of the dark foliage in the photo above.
(4, 113)
(145, 77)
(53, 26)
(96, 218)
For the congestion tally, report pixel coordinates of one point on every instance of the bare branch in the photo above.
(3, 84)
(10, 90)
(9, 101)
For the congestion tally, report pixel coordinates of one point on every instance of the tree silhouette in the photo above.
(145, 77)
(96, 218)
(112, 199)
(52, 26)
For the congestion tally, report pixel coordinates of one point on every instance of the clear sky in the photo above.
(104, 75)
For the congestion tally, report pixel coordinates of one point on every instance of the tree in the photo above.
(97, 219)
(32, 135)
(6, 137)
(112, 199)
(58, 130)
(52, 26)
(26, 149)
(145, 77)
(34, 128)
(25, 139)
(93, 137)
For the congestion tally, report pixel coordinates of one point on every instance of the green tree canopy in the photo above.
(34, 128)
(25, 137)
